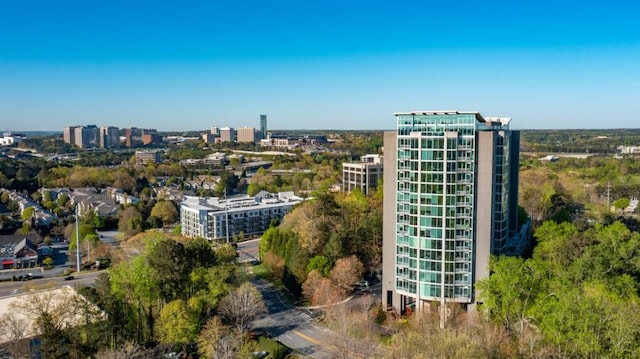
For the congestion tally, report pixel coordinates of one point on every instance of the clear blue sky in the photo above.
(188, 65)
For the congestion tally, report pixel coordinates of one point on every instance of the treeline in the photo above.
(578, 141)
(334, 235)
(576, 297)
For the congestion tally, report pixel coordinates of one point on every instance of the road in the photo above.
(248, 250)
(291, 326)
(294, 327)
(8, 289)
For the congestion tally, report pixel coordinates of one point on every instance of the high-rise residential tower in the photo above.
(450, 201)
(263, 126)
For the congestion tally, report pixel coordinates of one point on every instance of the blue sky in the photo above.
(189, 65)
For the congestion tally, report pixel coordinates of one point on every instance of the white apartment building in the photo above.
(214, 218)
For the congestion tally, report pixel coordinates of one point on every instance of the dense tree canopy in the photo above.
(579, 291)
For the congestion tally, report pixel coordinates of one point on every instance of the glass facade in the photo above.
(436, 184)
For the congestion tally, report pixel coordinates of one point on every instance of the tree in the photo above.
(241, 306)
(47, 262)
(320, 263)
(130, 220)
(175, 325)
(14, 329)
(621, 203)
(134, 283)
(27, 214)
(320, 290)
(166, 211)
(225, 253)
(168, 262)
(54, 312)
(86, 231)
(199, 253)
(346, 273)
(510, 292)
(210, 340)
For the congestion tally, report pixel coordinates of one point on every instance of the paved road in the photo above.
(248, 250)
(291, 326)
(8, 289)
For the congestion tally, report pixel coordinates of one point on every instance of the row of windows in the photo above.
(434, 290)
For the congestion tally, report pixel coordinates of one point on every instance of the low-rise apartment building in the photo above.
(363, 175)
(214, 218)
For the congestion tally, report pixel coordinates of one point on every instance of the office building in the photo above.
(208, 137)
(148, 156)
(134, 137)
(69, 134)
(263, 126)
(109, 137)
(363, 175)
(151, 139)
(450, 201)
(221, 219)
(227, 134)
(86, 136)
(246, 134)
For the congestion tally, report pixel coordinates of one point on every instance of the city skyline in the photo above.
(330, 65)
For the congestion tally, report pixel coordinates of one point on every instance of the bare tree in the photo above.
(354, 332)
(346, 273)
(216, 342)
(320, 290)
(13, 333)
(241, 306)
(51, 312)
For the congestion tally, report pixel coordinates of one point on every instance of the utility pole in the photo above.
(226, 213)
(609, 196)
(77, 239)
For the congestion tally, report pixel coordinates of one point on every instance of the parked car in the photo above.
(260, 355)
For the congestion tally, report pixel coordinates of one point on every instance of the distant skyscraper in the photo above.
(69, 134)
(109, 137)
(263, 126)
(450, 200)
(86, 136)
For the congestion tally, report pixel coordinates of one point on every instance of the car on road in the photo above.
(362, 284)
(69, 277)
(259, 355)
